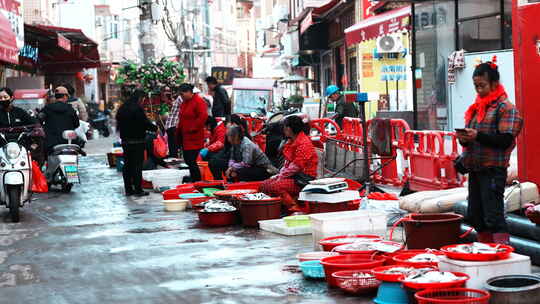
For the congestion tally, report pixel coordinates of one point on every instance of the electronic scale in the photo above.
(326, 185)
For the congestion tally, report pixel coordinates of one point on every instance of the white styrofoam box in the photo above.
(480, 272)
(280, 227)
(338, 197)
(347, 223)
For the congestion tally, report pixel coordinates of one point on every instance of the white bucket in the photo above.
(175, 205)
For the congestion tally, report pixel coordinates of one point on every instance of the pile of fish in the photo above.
(476, 248)
(431, 276)
(424, 258)
(255, 196)
(215, 205)
(349, 240)
(404, 270)
(356, 246)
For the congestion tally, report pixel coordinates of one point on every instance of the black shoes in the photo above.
(141, 194)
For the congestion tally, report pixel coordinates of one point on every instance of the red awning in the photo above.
(380, 25)
(313, 8)
(62, 49)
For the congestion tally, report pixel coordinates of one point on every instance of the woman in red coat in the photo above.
(190, 129)
(300, 157)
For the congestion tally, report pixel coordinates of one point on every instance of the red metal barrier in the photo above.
(320, 126)
(430, 167)
(389, 173)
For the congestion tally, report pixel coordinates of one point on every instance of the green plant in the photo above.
(295, 101)
(152, 77)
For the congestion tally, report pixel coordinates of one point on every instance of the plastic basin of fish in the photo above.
(297, 221)
(349, 282)
(217, 219)
(328, 244)
(505, 254)
(314, 256)
(403, 259)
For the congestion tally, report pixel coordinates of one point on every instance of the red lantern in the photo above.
(80, 75)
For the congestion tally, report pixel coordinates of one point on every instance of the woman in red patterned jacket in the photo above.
(300, 157)
(217, 138)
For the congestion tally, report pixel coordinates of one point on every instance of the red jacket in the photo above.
(217, 139)
(190, 129)
(301, 156)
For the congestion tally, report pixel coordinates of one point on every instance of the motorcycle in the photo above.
(63, 163)
(99, 121)
(15, 173)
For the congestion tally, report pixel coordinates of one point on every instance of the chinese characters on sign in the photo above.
(224, 75)
(11, 30)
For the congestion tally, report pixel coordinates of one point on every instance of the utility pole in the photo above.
(146, 31)
(206, 37)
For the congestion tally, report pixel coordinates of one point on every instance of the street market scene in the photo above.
(269, 151)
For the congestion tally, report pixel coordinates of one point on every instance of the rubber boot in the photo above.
(501, 238)
(484, 237)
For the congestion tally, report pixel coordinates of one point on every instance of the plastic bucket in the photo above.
(254, 211)
(432, 230)
(217, 219)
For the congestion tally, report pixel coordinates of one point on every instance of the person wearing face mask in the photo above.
(58, 117)
(11, 116)
(190, 129)
(15, 117)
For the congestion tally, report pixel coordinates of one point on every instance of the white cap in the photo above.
(196, 90)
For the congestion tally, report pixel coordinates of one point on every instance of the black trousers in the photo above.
(485, 210)
(252, 174)
(190, 157)
(173, 145)
(219, 163)
(133, 165)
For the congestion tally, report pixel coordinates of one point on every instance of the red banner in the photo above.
(11, 30)
(380, 25)
(64, 43)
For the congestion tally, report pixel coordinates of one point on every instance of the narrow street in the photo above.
(96, 246)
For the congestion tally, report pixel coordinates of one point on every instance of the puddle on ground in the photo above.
(303, 287)
(152, 230)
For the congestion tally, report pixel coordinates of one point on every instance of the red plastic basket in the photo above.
(391, 256)
(349, 262)
(228, 195)
(453, 296)
(356, 285)
(217, 219)
(186, 188)
(330, 246)
(421, 286)
(378, 272)
(478, 256)
(403, 259)
(243, 185)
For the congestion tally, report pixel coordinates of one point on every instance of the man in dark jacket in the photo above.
(221, 106)
(132, 124)
(58, 117)
(343, 107)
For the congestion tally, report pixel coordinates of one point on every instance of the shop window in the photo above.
(484, 25)
(353, 74)
(480, 34)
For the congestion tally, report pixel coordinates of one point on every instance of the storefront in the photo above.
(482, 29)
(63, 55)
(11, 37)
(385, 58)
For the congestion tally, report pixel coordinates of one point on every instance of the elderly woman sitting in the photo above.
(300, 158)
(247, 162)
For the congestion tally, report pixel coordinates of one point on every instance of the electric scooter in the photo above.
(63, 163)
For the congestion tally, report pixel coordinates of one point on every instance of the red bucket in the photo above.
(349, 262)
(217, 219)
(171, 194)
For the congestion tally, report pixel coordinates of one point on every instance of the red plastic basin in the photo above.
(349, 262)
(330, 246)
(217, 219)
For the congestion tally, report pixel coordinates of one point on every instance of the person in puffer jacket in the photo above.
(217, 138)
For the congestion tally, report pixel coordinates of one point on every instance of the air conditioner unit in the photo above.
(389, 44)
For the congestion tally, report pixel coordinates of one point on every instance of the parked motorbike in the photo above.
(15, 172)
(99, 121)
(63, 163)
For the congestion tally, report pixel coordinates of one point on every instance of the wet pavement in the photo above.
(96, 246)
